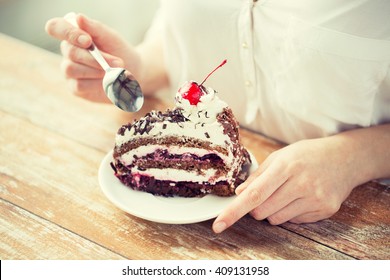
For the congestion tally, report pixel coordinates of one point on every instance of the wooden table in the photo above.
(51, 145)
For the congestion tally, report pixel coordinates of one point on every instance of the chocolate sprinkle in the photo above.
(113, 167)
(143, 125)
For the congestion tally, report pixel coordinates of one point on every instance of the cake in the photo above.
(191, 150)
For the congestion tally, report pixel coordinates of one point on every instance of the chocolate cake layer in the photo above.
(162, 159)
(170, 188)
(167, 142)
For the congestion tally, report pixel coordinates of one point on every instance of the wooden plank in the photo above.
(26, 236)
(56, 178)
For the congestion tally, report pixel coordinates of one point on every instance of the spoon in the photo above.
(119, 84)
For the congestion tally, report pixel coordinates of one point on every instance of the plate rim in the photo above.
(104, 175)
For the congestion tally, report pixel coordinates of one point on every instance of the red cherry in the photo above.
(192, 91)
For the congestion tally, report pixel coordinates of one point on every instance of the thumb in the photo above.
(104, 37)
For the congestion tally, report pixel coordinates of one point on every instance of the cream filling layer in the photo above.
(210, 132)
(177, 175)
(141, 151)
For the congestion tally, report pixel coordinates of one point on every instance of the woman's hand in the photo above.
(80, 68)
(304, 182)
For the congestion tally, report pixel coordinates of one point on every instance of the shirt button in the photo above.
(244, 45)
(248, 83)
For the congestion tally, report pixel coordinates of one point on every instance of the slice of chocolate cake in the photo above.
(191, 150)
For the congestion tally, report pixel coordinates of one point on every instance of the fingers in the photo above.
(299, 185)
(88, 30)
(323, 209)
(84, 74)
(295, 208)
(296, 204)
(304, 210)
(62, 30)
(80, 71)
(282, 197)
(263, 166)
(253, 195)
(106, 38)
(248, 181)
(82, 56)
(78, 55)
(90, 89)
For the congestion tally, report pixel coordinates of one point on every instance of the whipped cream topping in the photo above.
(202, 122)
(206, 110)
(212, 132)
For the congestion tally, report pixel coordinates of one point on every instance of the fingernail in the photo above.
(239, 189)
(83, 40)
(219, 227)
(116, 63)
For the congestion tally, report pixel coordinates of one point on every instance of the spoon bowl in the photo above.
(123, 89)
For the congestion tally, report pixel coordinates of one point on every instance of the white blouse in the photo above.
(296, 69)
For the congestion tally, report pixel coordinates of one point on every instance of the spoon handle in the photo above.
(93, 50)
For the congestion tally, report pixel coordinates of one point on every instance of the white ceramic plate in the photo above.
(168, 210)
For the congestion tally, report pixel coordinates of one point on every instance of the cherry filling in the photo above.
(162, 159)
(162, 154)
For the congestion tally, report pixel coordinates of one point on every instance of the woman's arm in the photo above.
(308, 181)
